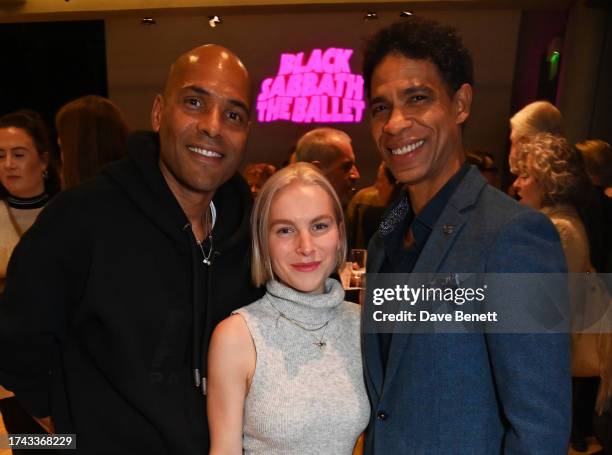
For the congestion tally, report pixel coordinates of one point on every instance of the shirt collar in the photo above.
(400, 215)
(35, 202)
(433, 209)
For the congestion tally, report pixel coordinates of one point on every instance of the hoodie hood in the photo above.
(140, 177)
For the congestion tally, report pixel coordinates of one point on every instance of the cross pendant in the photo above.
(206, 261)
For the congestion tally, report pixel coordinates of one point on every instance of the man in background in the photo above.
(331, 151)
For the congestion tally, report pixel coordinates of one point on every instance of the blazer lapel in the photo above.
(369, 341)
(436, 250)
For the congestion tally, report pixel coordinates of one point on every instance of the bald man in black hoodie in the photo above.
(112, 295)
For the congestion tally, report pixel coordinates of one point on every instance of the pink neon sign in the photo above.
(319, 90)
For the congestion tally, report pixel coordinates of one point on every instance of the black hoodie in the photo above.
(109, 309)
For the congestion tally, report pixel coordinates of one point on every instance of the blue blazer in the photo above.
(476, 393)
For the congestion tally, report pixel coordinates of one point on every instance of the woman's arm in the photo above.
(231, 365)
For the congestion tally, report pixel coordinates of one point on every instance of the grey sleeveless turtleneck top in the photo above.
(304, 398)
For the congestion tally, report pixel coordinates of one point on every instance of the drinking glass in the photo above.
(358, 258)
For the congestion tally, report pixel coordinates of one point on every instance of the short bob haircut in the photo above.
(557, 167)
(421, 39)
(32, 123)
(92, 132)
(598, 161)
(537, 117)
(303, 173)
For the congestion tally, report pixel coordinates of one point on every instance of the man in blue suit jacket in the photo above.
(450, 393)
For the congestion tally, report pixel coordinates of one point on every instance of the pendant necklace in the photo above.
(209, 237)
(320, 341)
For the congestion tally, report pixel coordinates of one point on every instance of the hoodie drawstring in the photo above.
(196, 300)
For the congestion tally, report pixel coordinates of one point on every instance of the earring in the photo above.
(45, 174)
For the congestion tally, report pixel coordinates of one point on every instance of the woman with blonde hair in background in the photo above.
(552, 179)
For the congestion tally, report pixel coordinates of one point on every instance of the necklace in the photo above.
(209, 237)
(320, 341)
(205, 255)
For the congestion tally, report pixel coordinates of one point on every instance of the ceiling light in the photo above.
(370, 16)
(148, 21)
(213, 21)
(406, 14)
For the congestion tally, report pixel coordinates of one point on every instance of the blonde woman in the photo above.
(552, 179)
(285, 372)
